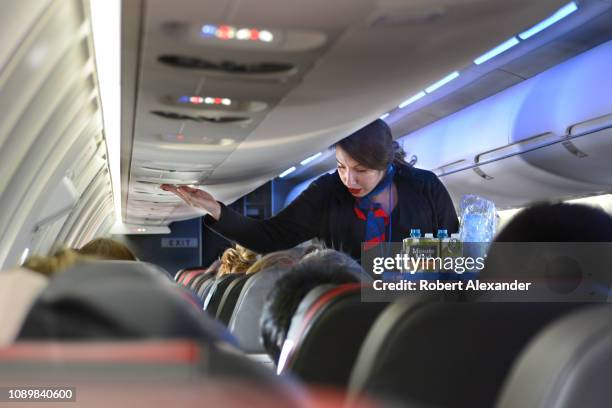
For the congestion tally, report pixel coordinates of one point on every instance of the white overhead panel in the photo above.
(251, 88)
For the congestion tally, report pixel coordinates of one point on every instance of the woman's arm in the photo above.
(296, 223)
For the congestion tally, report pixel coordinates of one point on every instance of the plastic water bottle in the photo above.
(442, 233)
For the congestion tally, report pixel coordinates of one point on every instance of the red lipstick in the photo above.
(354, 191)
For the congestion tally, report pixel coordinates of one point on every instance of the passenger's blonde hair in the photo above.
(236, 260)
(61, 260)
(280, 258)
(107, 248)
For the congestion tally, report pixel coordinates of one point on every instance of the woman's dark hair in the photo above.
(317, 268)
(559, 222)
(373, 146)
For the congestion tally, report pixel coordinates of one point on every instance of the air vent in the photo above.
(229, 67)
(200, 119)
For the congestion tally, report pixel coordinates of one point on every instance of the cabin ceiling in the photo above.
(350, 61)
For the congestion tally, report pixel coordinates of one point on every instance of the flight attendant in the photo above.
(374, 196)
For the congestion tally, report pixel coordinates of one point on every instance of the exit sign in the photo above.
(179, 242)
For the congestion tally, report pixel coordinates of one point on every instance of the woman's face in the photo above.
(358, 179)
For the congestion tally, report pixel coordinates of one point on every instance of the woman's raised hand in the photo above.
(196, 198)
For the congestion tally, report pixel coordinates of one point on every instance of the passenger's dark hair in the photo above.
(318, 268)
(557, 269)
(373, 146)
(558, 223)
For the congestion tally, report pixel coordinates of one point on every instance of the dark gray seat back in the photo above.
(569, 364)
(448, 354)
(245, 321)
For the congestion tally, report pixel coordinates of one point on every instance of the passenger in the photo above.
(373, 196)
(558, 223)
(49, 265)
(107, 248)
(318, 268)
(562, 268)
(279, 259)
(91, 301)
(236, 260)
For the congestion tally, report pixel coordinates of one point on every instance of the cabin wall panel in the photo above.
(64, 92)
(50, 127)
(17, 20)
(97, 188)
(74, 218)
(29, 71)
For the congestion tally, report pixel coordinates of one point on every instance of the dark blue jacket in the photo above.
(325, 211)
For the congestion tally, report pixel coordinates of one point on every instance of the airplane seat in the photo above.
(569, 364)
(230, 297)
(215, 295)
(156, 267)
(19, 288)
(189, 276)
(245, 321)
(116, 300)
(447, 354)
(326, 334)
(205, 288)
(163, 372)
(197, 283)
(181, 273)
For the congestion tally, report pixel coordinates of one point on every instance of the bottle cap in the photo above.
(442, 233)
(429, 235)
(415, 233)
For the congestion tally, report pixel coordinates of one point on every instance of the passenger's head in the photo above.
(58, 262)
(543, 244)
(279, 259)
(92, 301)
(236, 260)
(318, 268)
(106, 248)
(363, 157)
(558, 223)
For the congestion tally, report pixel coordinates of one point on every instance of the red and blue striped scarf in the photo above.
(375, 217)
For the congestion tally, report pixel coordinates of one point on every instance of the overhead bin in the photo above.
(549, 137)
(550, 103)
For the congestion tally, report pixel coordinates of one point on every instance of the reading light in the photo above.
(266, 36)
(559, 15)
(209, 100)
(228, 32)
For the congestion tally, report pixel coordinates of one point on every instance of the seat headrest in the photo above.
(574, 354)
(245, 320)
(116, 299)
(168, 365)
(414, 349)
(19, 288)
